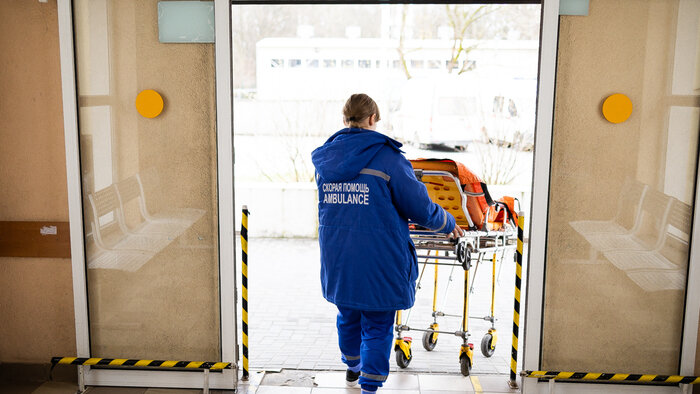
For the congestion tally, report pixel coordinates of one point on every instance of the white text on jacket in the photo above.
(346, 193)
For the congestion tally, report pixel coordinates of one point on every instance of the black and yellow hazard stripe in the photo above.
(516, 304)
(127, 362)
(611, 377)
(244, 285)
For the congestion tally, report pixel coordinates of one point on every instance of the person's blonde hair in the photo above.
(359, 107)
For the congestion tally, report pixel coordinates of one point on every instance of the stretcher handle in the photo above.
(418, 172)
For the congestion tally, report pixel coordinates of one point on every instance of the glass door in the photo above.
(622, 194)
(158, 252)
(612, 285)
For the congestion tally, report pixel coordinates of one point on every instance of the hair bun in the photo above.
(359, 107)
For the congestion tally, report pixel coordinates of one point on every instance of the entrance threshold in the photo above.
(292, 381)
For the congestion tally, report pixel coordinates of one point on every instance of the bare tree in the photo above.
(460, 19)
(250, 25)
(402, 39)
(300, 127)
(498, 152)
(502, 142)
(511, 22)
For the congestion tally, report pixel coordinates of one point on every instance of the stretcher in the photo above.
(489, 234)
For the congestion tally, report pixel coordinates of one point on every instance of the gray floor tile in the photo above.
(439, 392)
(327, 390)
(290, 378)
(244, 388)
(283, 390)
(254, 378)
(330, 380)
(356, 390)
(401, 381)
(496, 384)
(390, 391)
(445, 383)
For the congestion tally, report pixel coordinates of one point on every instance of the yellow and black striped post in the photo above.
(516, 304)
(127, 362)
(244, 285)
(611, 377)
(493, 289)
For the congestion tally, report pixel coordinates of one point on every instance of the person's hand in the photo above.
(456, 232)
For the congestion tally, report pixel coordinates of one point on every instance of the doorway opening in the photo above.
(452, 81)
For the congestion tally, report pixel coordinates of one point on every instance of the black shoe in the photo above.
(351, 378)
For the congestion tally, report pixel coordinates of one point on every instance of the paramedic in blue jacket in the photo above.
(367, 193)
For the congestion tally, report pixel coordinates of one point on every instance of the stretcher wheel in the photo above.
(401, 359)
(429, 340)
(464, 255)
(465, 365)
(486, 349)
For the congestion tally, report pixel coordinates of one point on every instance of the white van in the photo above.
(510, 112)
(445, 111)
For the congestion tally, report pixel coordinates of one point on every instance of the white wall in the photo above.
(278, 209)
(291, 209)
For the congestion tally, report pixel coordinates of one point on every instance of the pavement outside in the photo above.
(291, 325)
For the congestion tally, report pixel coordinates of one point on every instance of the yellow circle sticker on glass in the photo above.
(149, 103)
(617, 108)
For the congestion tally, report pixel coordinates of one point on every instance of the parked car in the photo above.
(510, 117)
(455, 111)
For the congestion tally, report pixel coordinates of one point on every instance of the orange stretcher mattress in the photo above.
(478, 198)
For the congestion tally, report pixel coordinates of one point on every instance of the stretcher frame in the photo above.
(439, 249)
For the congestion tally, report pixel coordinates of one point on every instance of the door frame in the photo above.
(226, 379)
(534, 285)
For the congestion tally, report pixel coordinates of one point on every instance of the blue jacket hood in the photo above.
(348, 151)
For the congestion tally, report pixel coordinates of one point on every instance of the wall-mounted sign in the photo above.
(573, 7)
(185, 21)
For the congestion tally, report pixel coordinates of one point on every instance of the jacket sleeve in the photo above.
(410, 197)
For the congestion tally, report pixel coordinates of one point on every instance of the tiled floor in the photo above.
(301, 382)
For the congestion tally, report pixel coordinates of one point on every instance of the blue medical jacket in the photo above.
(367, 192)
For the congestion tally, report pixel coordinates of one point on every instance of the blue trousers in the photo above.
(365, 340)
